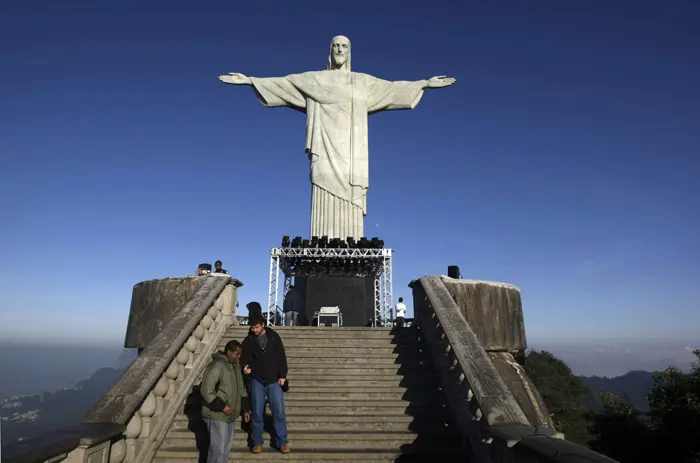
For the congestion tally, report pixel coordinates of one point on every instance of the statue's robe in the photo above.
(337, 104)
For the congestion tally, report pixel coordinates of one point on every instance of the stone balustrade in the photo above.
(128, 424)
(492, 422)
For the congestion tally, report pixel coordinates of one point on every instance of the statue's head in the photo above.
(339, 55)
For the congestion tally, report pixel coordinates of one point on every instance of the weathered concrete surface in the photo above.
(120, 402)
(523, 389)
(153, 304)
(493, 310)
(496, 401)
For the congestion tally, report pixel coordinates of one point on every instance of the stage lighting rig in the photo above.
(314, 241)
(285, 241)
(296, 242)
(351, 242)
(323, 242)
(304, 243)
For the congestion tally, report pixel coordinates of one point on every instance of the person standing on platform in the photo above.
(400, 313)
(224, 397)
(218, 267)
(264, 355)
(291, 306)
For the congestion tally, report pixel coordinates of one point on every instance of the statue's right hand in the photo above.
(235, 78)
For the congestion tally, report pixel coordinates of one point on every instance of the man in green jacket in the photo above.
(224, 397)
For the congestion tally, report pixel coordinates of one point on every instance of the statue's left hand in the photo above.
(235, 78)
(440, 81)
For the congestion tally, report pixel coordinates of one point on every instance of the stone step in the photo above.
(348, 345)
(331, 349)
(345, 396)
(324, 369)
(339, 423)
(335, 423)
(314, 439)
(327, 332)
(282, 330)
(391, 359)
(286, 329)
(301, 379)
(318, 454)
(354, 362)
(311, 338)
(358, 338)
(320, 407)
(345, 389)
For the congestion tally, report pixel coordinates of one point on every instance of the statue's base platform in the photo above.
(354, 296)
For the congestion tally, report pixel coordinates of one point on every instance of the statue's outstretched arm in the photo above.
(438, 82)
(236, 78)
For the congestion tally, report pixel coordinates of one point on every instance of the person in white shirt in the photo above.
(400, 313)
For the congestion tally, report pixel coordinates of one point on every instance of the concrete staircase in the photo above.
(362, 394)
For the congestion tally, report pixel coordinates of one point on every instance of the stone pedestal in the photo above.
(354, 296)
(153, 304)
(493, 310)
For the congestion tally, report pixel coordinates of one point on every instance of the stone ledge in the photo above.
(494, 310)
(493, 396)
(155, 302)
(120, 402)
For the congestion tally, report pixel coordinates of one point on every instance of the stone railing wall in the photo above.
(128, 424)
(493, 424)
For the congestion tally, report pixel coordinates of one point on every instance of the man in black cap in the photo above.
(254, 311)
(265, 358)
(218, 267)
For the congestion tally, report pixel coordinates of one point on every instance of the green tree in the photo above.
(674, 404)
(620, 431)
(563, 393)
(669, 432)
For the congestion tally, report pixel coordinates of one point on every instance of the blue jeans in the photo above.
(290, 318)
(220, 440)
(275, 395)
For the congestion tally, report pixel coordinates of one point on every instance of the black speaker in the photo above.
(453, 272)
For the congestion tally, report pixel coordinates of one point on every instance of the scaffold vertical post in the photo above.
(274, 284)
(388, 284)
(377, 298)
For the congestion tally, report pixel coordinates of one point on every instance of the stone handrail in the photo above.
(493, 425)
(130, 421)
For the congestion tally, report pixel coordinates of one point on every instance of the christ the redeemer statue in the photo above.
(337, 102)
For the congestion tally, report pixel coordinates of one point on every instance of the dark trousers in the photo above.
(399, 322)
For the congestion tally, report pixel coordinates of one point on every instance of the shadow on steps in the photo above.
(436, 435)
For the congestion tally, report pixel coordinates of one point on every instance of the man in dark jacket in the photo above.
(291, 306)
(224, 397)
(265, 358)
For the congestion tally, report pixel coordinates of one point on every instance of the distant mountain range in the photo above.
(631, 386)
(25, 416)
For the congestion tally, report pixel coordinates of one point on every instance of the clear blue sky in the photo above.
(564, 160)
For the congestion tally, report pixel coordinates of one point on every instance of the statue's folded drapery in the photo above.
(337, 104)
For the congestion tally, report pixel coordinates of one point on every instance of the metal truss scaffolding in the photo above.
(304, 262)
